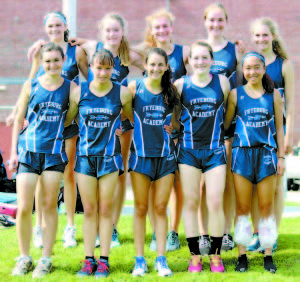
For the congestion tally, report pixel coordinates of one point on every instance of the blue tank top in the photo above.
(274, 70)
(45, 115)
(255, 124)
(176, 62)
(120, 72)
(225, 63)
(150, 115)
(202, 115)
(99, 117)
(70, 69)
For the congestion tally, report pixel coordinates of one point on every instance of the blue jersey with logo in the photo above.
(45, 116)
(99, 117)
(151, 113)
(176, 62)
(202, 114)
(225, 63)
(255, 125)
(70, 69)
(120, 72)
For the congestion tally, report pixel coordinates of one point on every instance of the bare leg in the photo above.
(90, 205)
(141, 184)
(38, 204)
(162, 189)
(26, 183)
(243, 193)
(229, 197)
(70, 189)
(50, 183)
(120, 192)
(107, 186)
(279, 200)
(203, 210)
(176, 203)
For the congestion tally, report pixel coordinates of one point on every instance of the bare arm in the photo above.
(240, 52)
(126, 99)
(82, 61)
(230, 110)
(73, 104)
(89, 48)
(279, 130)
(137, 60)
(18, 122)
(289, 93)
(225, 85)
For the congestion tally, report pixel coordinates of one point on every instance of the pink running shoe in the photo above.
(216, 264)
(195, 265)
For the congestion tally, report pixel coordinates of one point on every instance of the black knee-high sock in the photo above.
(216, 244)
(193, 243)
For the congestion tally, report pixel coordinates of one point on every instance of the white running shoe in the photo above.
(37, 237)
(69, 236)
(140, 267)
(162, 267)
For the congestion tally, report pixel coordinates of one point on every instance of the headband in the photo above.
(56, 15)
(253, 54)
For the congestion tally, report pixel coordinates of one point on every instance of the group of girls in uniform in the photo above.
(216, 133)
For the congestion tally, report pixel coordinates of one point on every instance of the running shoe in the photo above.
(227, 243)
(242, 264)
(255, 243)
(153, 245)
(23, 266)
(88, 269)
(216, 264)
(140, 267)
(204, 245)
(115, 239)
(69, 237)
(37, 237)
(195, 265)
(43, 268)
(97, 241)
(102, 269)
(173, 242)
(269, 264)
(161, 266)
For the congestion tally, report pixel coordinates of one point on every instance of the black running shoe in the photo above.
(269, 264)
(242, 264)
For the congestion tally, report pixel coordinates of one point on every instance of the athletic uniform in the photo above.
(152, 149)
(119, 75)
(176, 62)
(41, 144)
(98, 147)
(69, 71)
(225, 62)
(274, 70)
(202, 143)
(254, 145)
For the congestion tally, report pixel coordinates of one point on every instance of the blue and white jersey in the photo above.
(99, 117)
(202, 115)
(225, 63)
(255, 125)
(120, 72)
(70, 69)
(176, 62)
(151, 113)
(45, 116)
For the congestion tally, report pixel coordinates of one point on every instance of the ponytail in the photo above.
(278, 49)
(267, 83)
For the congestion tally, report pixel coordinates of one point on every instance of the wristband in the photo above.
(281, 158)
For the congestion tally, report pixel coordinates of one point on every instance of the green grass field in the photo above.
(68, 261)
